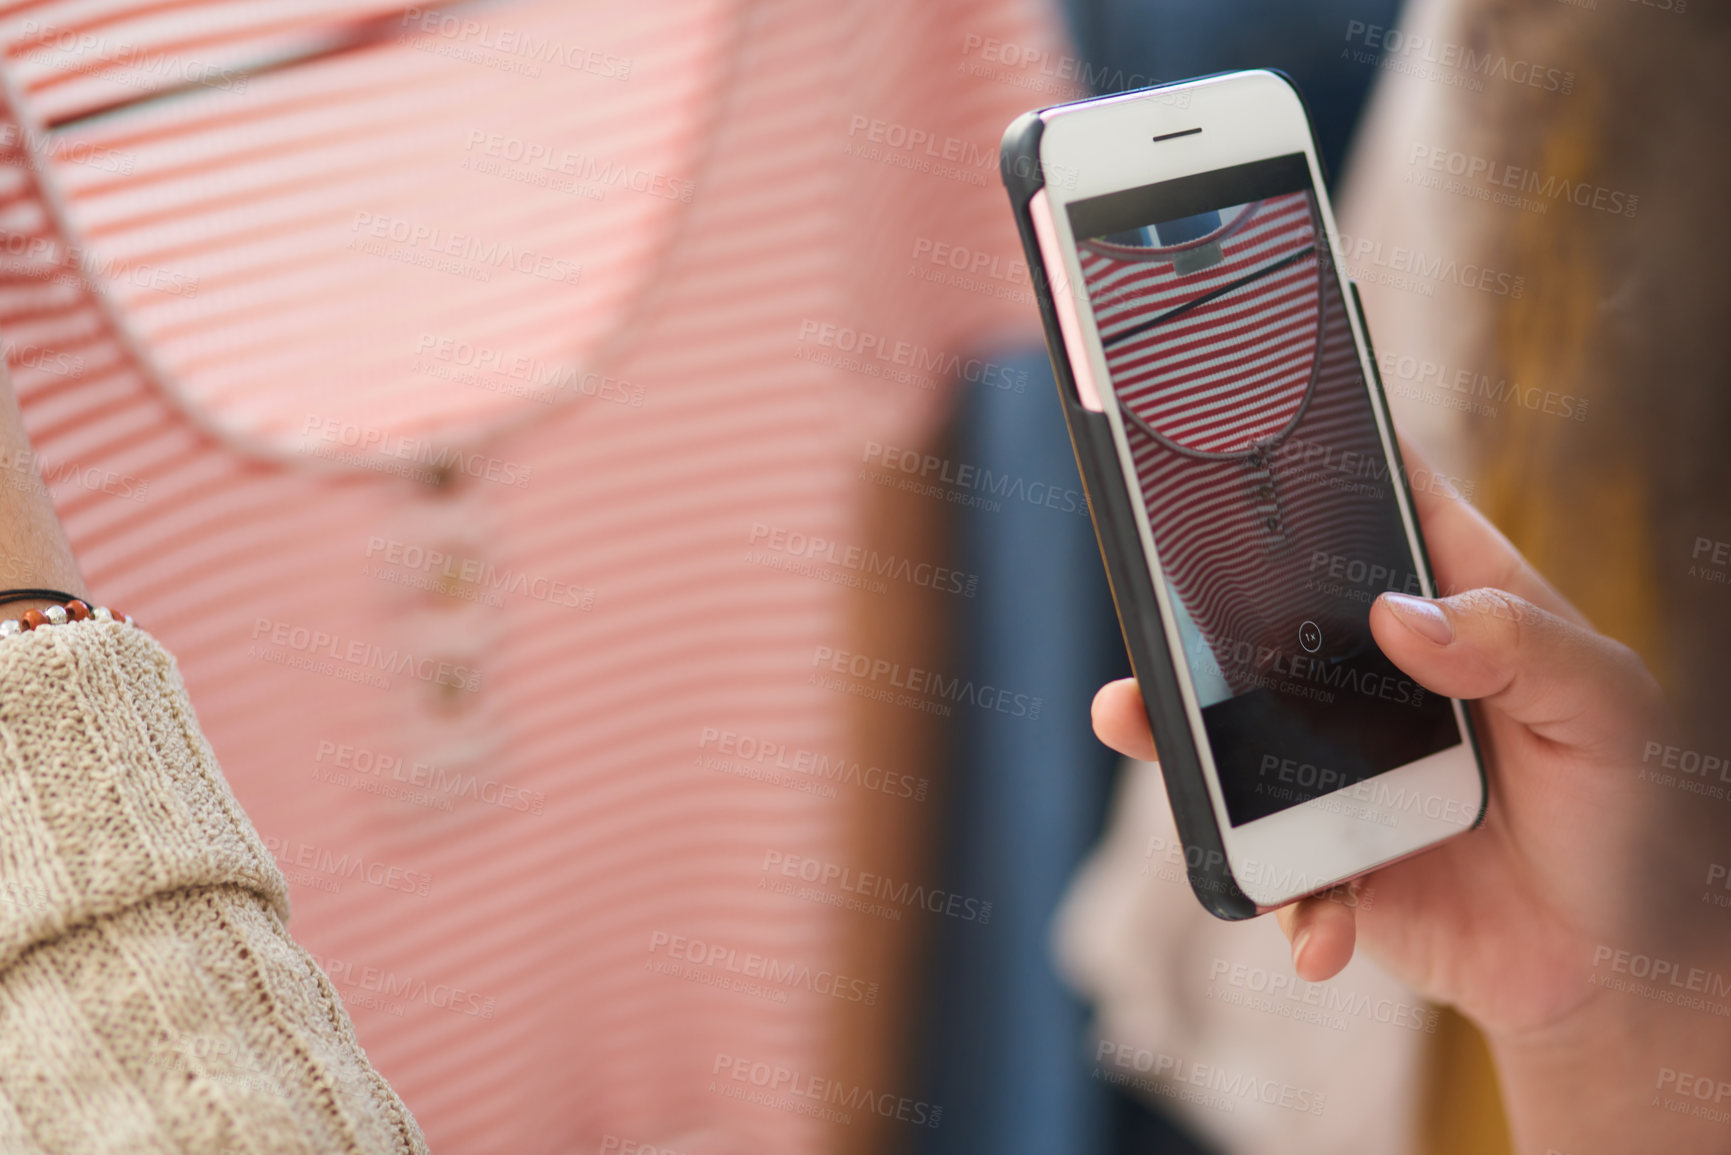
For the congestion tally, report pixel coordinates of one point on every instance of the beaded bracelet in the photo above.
(72, 610)
(7, 597)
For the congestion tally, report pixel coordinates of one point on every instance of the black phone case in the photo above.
(1127, 569)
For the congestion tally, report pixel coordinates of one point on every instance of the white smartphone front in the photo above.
(1206, 315)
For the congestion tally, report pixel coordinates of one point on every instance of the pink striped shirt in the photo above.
(427, 398)
(1219, 363)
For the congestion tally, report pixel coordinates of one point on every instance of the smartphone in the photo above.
(1244, 480)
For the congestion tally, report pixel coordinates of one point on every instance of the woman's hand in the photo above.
(33, 549)
(1580, 854)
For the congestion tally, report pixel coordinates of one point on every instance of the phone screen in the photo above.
(1270, 499)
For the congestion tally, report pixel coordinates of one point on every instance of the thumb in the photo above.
(1560, 679)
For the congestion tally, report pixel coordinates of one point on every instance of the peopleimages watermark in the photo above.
(26, 473)
(223, 1059)
(142, 67)
(372, 986)
(1493, 175)
(497, 370)
(1455, 186)
(13, 893)
(1718, 880)
(612, 1142)
(1364, 471)
(324, 869)
(1354, 579)
(751, 757)
(1256, 874)
(462, 253)
(1458, 65)
(73, 265)
(751, 973)
(959, 483)
(1710, 561)
(919, 150)
(971, 270)
(1675, 7)
(1164, 857)
(1060, 74)
(1697, 1096)
(509, 49)
(28, 355)
(416, 458)
(1207, 1084)
(1416, 271)
(1286, 996)
(1693, 771)
(357, 655)
(467, 578)
(880, 895)
(1299, 675)
(375, 772)
(1337, 791)
(566, 170)
(858, 559)
(925, 690)
(67, 151)
(1470, 392)
(1661, 980)
(904, 362)
(800, 1093)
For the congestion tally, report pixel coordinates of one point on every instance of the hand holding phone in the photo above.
(1244, 481)
(1584, 872)
(1269, 565)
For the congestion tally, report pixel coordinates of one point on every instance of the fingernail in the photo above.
(1422, 617)
(1298, 948)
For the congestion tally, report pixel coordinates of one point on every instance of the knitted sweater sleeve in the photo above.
(151, 1000)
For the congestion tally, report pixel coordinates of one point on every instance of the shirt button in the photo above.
(449, 696)
(458, 582)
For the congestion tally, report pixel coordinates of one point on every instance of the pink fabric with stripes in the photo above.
(579, 264)
(1227, 372)
(1237, 538)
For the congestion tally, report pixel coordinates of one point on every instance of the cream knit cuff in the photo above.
(108, 792)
